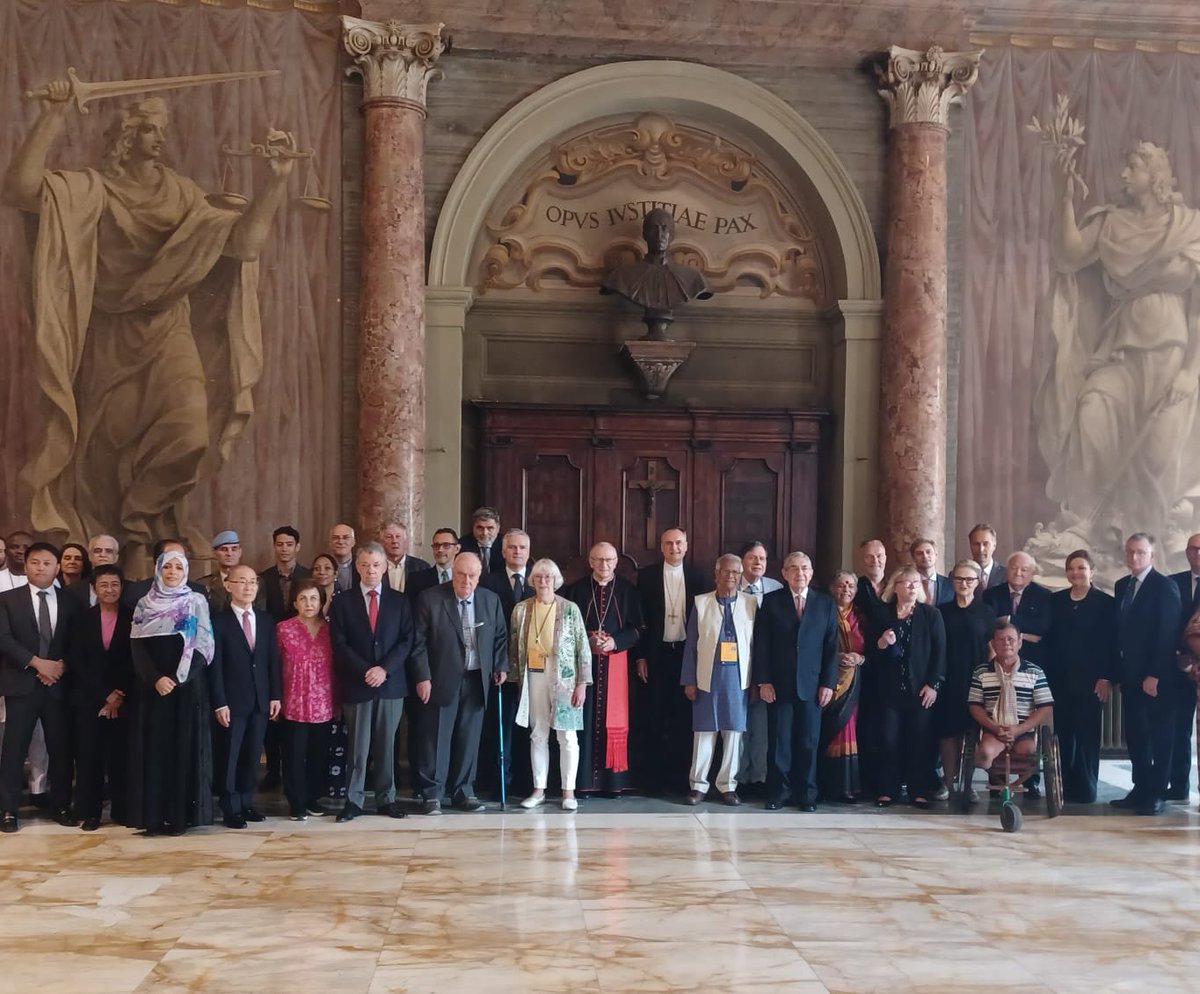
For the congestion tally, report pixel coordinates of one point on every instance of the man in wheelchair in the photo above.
(1009, 700)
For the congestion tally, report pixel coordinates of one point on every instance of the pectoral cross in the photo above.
(651, 485)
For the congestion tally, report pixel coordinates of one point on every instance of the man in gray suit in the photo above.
(461, 650)
(752, 773)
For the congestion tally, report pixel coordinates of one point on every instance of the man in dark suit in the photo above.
(1180, 687)
(484, 539)
(1027, 604)
(511, 586)
(938, 588)
(101, 668)
(444, 546)
(371, 628)
(795, 666)
(133, 591)
(663, 756)
(246, 692)
(461, 650)
(35, 621)
(982, 539)
(1148, 612)
(872, 577)
(400, 566)
(275, 582)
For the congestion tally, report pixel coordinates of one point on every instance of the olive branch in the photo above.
(1064, 134)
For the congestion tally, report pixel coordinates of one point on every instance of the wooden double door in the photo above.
(572, 476)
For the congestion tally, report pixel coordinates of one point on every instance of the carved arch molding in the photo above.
(580, 214)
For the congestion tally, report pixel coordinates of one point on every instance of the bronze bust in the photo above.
(656, 283)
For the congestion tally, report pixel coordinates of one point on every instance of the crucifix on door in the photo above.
(651, 486)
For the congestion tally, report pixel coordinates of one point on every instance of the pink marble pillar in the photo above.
(395, 62)
(918, 88)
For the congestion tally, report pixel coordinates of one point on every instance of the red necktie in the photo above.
(249, 632)
(373, 608)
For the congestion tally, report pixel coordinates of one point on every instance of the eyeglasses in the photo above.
(246, 582)
(443, 545)
(965, 579)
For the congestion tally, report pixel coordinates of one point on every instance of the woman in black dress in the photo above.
(171, 766)
(969, 623)
(1082, 641)
(908, 655)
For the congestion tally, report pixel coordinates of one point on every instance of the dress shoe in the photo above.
(1156, 807)
(694, 797)
(393, 810)
(884, 802)
(90, 824)
(1130, 800)
(807, 807)
(64, 817)
(349, 812)
(299, 816)
(1033, 790)
(570, 804)
(251, 815)
(233, 821)
(315, 810)
(469, 802)
(8, 822)
(533, 801)
(431, 807)
(730, 797)
(922, 803)
(175, 830)
(775, 804)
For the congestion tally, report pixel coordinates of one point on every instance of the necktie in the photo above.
(248, 631)
(45, 632)
(444, 574)
(799, 606)
(752, 589)
(518, 587)
(1016, 601)
(467, 633)
(1195, 592)
(928, 584)
(373, 607)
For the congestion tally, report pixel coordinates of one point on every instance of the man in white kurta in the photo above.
(716, 678)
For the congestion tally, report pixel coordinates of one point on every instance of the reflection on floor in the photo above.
(623, 896)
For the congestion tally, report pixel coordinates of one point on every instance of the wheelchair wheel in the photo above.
(966, 771)
(1010, 817)
(1052, 768)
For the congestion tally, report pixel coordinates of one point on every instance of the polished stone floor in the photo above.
(623, 896)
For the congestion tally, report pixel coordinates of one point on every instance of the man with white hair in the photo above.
(1023, 602)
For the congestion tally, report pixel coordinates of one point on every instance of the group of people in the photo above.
(164, 693)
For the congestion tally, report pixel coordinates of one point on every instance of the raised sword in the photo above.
(84, 92)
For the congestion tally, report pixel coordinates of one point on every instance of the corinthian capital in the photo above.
(919, 87)
(396, 61)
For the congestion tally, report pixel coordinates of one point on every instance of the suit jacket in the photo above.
(133, 591)
(421, 581)
(1035, 615)
(499, 584)
(495, 561)
(1082, 646)
(412, 565)
(241, 678)
(943, 590)
(95, 672)
(440, 655)
(999, 575)
(19, 641)
(654, 605)
(870, 605)
(270, 592)
(926, 646)
(1188, 604)
(796, 655)
(356, 648)
(1147, 629)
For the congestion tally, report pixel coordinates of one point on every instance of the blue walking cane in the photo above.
(500, 729)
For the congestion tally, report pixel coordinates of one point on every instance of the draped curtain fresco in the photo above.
(1011, 291)
(285, 467)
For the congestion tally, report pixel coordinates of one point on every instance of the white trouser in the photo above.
(39, 758)
(541, 706)
(703, 744)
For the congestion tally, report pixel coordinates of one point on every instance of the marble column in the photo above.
(396, 62)
(918, 88)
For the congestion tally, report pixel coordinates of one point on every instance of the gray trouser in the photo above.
(753, 767)
(371, 730)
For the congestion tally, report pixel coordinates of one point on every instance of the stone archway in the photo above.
(725, 101)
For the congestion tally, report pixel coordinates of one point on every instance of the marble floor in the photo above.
(622, 896)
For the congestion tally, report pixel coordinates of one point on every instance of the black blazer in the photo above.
(356, 648)
(241, 679)
(1148, 631)
(1034, 615)
(654, 605)
(926, 647)
(440, 654)
(421, 581)
(1082, 647)
(498, 584)
(1187, 603)
(270, 593)
(999, 575)
(95, 672)
(495, 561)
(19, 641)
(870, 605)
(796, 655)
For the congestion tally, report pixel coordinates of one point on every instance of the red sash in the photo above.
(616, 713)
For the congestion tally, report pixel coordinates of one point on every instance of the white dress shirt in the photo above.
(51, 602)
(240, 613)
(674, 602)
(10, 580)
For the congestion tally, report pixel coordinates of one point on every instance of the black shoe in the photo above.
(315, 810)
(349, 812)
(90, 824)
(694, 797)
(922, 803)
(775, 804)
(251, 815)
(8, 822)
(393, 810)
(431, 807)
(1156, 807)
(730, 798)
(469, 802)
(64, 817)
(808, 807)
(234, 821)
(299, 816)
(174, 830)
(1130, 800)
(1033, 790)
(884, 802)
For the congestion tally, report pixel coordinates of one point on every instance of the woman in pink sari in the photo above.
(837, 767)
